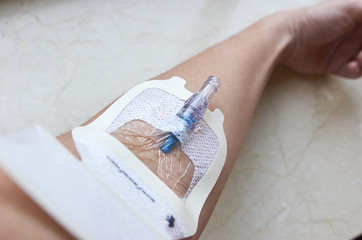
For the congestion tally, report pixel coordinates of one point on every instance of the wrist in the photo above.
(280, 35)
(270, 40)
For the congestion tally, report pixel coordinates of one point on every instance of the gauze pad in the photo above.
(151, 105)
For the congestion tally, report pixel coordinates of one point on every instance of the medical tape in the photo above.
(68, 191)
(155, 102)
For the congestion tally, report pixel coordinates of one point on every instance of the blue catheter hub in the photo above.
(193, 110)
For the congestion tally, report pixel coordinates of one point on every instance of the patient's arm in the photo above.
(325, 38)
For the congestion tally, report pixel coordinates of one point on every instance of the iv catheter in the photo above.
(193, 110)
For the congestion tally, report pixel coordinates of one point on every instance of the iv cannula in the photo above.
(193, 110)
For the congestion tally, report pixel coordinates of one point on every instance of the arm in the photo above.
(244, 63)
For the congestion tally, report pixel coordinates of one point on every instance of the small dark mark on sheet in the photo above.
(171, 221)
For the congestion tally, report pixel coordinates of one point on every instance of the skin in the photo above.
(325, 38)
(175, 168)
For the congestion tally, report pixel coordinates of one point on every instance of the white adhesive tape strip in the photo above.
(67, 190)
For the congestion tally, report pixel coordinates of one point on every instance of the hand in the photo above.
(326, 38)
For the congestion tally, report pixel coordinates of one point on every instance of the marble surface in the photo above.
(299, 173)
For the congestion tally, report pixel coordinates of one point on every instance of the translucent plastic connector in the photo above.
(193, 110)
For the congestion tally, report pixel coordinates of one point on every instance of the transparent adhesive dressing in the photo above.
(161, 151)
(143, 140)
